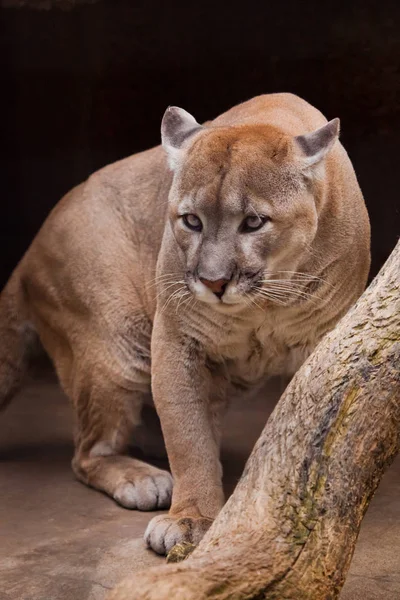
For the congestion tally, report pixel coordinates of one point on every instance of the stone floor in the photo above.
(63, 541)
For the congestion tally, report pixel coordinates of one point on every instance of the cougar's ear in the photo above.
(177, 126)
(313, 147)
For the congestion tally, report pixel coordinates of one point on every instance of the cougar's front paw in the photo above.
(151, 490)
(163, 532)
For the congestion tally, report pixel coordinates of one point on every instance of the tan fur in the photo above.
(112, 279)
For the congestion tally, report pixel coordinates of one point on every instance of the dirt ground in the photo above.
(63, 541)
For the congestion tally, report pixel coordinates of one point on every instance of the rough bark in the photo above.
(290, 528)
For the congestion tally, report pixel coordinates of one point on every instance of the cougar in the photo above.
(184, 274)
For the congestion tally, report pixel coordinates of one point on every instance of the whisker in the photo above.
(275, 300)
(252, 301)
(280, 284)
(190, 302)
(291, 291)
(275, 288)
(162, 280)
(170, 286)
(285, 282)
(294, 290)
(276, 293)
(187, 301)
(301, 275)
(182, 296)
(285, 285)
(292, 285)
(170, 298)
(272, 297)
(300, 279)
(247, 300)
(161, 275)
(294, 273)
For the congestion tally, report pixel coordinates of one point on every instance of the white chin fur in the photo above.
(202, 293)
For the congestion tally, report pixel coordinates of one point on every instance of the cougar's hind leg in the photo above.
(106, 418)
(148, 436)
(17, 339)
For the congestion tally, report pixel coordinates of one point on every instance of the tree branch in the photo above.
(290, 528)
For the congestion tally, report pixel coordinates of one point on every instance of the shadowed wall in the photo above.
(88, 86)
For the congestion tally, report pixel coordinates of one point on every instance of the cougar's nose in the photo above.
(218, 286)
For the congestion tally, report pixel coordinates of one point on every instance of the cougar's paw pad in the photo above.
(148, 492)
(164, 532)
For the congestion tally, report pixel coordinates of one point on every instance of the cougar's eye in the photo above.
(252, 223)
(192, 222)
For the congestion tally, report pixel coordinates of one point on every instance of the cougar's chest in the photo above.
(266, 352)
(260, 357)
(251, 349)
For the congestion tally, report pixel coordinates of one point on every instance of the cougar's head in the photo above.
(242, 205)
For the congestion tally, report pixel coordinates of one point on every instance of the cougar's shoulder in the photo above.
(103, 237)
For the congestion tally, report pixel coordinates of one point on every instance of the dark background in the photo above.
(85, 87)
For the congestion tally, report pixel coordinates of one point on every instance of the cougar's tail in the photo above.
(17, 337)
